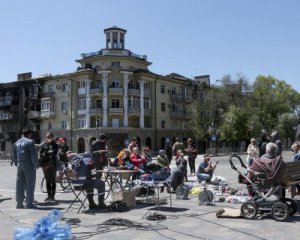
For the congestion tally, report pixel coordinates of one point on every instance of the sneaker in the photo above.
(51, 199)
(47, 199)
(20, 207)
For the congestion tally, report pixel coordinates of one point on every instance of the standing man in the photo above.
(99, 160)
(98, 152)
(192, 155)
(133, 144)
(48, 155)
(26, 160)
(177, 146)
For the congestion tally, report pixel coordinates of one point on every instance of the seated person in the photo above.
(85, 167)
(162, 159)
(137, 161)
(122, 158)
(271, 152)
(296, 157)
(206, 169)
(180, 161)
(176, 177)
(146, 154)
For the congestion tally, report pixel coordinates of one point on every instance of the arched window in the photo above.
(139, 142)
(81, 145)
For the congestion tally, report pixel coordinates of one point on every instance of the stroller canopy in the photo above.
(272, 169)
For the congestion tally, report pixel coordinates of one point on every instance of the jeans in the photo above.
(203, 177)
(25, 183)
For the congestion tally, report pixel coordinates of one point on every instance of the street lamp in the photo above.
(213, 132)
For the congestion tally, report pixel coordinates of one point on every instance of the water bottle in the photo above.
(24, 234)
(60, 231)
(54, 215)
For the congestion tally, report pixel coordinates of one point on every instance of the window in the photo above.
(49, 125)
(163, 107)
(46, 106)
(65, 87)
(115, 64)
(64, 124)
(115, 103)
(130, 85)
(147, 103)
(99, 103)
(188, 93)
(50, 88)
(162, 89)
(163, 124)
(115, 84)
(147, 85)
(99, 83)
(136, 102)
(81, 123)
(64, 106)
(115, 40)
(81, 104)
(98, 123)
(81, 84)
(173, 91)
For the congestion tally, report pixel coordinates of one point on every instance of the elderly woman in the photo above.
(271, 152)
(162, 159)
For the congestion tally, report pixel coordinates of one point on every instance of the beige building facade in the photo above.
(114, 92)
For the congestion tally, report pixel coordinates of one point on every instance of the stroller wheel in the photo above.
(249, 210)
(292, 205)
(280, 211)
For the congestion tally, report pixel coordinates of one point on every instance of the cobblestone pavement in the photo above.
(185, 220)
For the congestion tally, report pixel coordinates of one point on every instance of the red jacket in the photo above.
(137, 161)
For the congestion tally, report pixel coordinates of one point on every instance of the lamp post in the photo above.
(213, 131)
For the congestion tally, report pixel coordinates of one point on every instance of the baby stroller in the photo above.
(264, 181)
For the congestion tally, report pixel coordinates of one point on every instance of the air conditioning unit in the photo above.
(5, 116)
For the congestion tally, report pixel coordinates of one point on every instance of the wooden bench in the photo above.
(291, 176)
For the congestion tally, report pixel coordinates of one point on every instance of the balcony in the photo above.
(48, 95)
(33, 96)
(147, 92)
(34, 114)
(116, 110)
(147, 112)
(134, 111)
(5, 101)
(47, 114)
(81, 91)
(132, 91)
(176, 114)
(114, 52)
(96, 111)
(176, 97)
(6, 116)
(96, 91)
(115, 90)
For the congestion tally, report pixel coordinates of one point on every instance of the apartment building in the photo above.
(112, 92)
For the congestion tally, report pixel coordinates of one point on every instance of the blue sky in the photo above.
(189, 37)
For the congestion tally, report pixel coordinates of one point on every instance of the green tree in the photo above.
(273, 98)
(234, 125)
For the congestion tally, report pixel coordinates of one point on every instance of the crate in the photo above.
(127, 196)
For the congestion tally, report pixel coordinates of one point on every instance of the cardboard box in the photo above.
(127, 196)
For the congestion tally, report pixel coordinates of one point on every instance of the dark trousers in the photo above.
(192, 164)
(50, 176)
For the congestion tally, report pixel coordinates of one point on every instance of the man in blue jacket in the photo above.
(26, 160)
